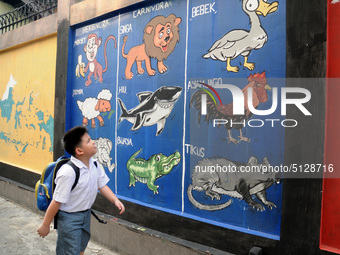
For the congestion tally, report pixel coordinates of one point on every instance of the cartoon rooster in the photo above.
(258, 82)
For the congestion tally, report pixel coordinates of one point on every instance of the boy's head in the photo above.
(75, 138)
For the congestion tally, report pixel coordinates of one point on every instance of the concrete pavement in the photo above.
(18, 231)
(18, 235)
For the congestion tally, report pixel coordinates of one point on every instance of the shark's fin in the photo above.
(143, 95)
(123, 108)
(139, 121)
(160, 126)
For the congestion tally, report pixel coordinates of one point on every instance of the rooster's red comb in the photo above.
(261, 78)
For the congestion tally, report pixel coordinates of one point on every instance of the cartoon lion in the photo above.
(161, 35)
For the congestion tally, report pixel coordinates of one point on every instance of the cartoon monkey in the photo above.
(91, 50)
(161, 35)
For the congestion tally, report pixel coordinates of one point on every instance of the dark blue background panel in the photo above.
(145, 110)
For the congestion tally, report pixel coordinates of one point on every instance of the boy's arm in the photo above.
(52, 210)
(109, 195)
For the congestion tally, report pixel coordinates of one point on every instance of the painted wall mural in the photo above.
(157, 98)
(27, 81)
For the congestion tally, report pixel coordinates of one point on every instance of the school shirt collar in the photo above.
(80, 164)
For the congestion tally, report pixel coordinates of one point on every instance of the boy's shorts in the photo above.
(73, 232)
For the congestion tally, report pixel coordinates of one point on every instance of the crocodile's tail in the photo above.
(136, 153)
(132, 158)
(205, 207)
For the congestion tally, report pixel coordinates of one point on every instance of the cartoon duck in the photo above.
(241, 42)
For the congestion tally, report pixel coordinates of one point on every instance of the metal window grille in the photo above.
(27, 13)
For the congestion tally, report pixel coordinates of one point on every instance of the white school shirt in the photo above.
(84, 194)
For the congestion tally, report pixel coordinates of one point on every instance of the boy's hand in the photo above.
(120, 206)
(108, 194)
(43, 230)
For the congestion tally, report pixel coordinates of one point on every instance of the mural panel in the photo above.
(150, 119)
(92, 91)
(241, 45)
(153, 86)
(27, 79)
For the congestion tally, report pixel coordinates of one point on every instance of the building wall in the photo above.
(34, 82)
(299, 208)
(27, 104)
(305, 58)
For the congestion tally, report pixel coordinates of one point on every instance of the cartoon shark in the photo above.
(153, 109)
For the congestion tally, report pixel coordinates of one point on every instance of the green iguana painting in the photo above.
(147, 171)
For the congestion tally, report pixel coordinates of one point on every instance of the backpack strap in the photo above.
(92, 212)
(77, 171)
(97, 218)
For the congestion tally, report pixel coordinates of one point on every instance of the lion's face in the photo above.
(161, 35)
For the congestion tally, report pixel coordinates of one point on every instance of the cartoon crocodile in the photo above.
(147, 171)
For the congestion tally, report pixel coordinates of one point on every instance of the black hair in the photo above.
(72, 139)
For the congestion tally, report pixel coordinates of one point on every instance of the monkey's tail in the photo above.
(205, 207)
(113, 38)
(123, 47)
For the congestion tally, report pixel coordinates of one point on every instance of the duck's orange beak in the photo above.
(264, 8)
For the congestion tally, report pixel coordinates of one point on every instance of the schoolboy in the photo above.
(74, 207)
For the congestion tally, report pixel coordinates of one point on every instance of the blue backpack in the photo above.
(45, 187)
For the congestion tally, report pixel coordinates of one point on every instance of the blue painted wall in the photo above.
(201, 24)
